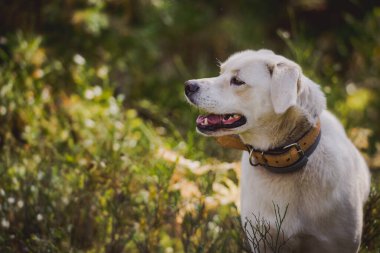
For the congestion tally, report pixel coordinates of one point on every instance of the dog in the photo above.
(267, 101)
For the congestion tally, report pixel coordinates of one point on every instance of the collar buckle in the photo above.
(301, 153)
(284, 159)
(251, 158)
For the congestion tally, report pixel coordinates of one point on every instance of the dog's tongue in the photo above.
(217, 119)
(212, 119)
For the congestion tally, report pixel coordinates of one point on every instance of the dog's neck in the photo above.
(278, 130)
(274, 131)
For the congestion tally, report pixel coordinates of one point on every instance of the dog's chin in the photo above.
(221, 132)
(221, 124)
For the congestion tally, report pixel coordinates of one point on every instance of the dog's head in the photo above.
(252, 85)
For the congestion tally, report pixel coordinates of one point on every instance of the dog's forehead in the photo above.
(244, 58)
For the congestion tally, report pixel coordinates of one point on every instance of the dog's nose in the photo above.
(191, 87)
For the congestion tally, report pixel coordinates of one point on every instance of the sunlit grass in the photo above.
(87, 168)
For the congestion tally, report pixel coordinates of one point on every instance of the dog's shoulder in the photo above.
(330, 121)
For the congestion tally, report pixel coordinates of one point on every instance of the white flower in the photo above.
(97, 91)
(102, 72)
(169, 250)
(20, 203)
(11, 200)
(78, 59)
(351, 88)
(5, 223)
(116, 146)
(89, 123)
(40, 175)
(45, 95)
(89, 94)
(92, 93)
(3, 110)
(40, 217)
(118, 125)
(113, 109)
(65, 200)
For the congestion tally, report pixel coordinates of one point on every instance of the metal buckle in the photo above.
(298, 147)
(250, 159)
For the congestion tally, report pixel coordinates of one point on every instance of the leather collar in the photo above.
(286, 159)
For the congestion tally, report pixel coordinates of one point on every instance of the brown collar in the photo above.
(289, 158)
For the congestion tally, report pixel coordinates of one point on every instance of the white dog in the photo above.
(266, 100)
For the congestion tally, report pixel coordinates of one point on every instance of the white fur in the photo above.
(326, 198)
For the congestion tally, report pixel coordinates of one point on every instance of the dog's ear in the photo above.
(284, 85)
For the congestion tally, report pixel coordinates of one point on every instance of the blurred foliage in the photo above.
(79, 171)
(94, 129)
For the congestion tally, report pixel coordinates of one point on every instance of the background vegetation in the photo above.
(98, 151)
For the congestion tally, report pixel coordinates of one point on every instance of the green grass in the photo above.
(83, 169)
(82, 173)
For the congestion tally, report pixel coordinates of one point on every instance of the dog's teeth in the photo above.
(236, 116)
(205, 122)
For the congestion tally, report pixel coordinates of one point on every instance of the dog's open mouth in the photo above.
(214, 122)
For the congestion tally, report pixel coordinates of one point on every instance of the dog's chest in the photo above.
(263, 195)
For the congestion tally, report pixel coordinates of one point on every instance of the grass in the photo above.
(84, 171)
(263, 236)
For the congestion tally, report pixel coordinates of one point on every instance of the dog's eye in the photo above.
(236, 81)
